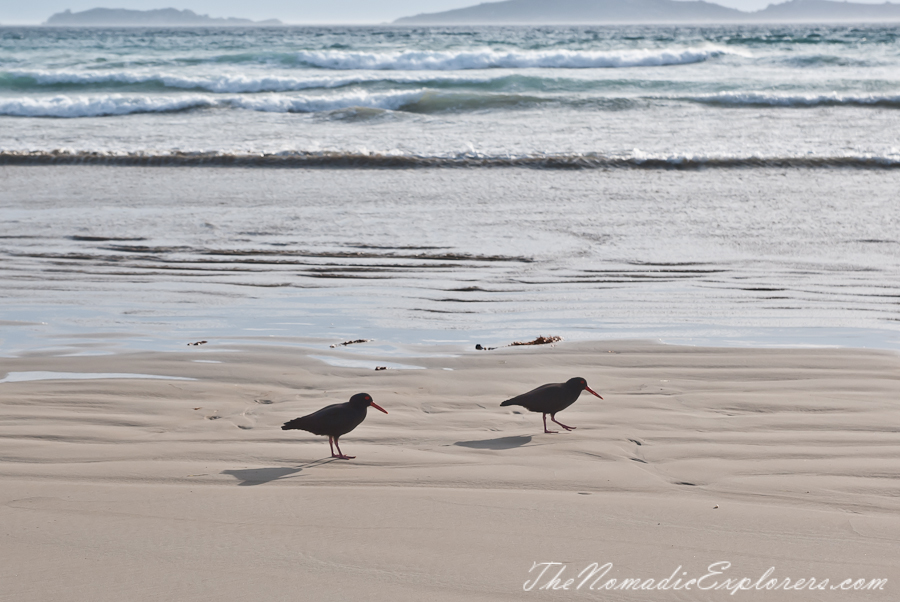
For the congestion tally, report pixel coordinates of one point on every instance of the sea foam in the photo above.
(100, 105)
(636, 159)
(123, 104)
(798, 100)
(490, 58)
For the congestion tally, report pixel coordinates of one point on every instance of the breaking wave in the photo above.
(121, 104)
(416, 100)
(96, 106)
(489, 58)
(225, 83)
(766, 99)
(336, 159)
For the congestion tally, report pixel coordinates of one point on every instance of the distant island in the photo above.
(531, 12)
(120, 17)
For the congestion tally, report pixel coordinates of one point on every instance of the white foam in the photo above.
(792, 100)
(122, 104)
(360, 157)
(100, 105)
(239, 83)
(489, 58)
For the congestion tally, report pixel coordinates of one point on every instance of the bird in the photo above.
(552, 398)
(335, 420)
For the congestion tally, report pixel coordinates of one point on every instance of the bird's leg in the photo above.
(331, 445)
(340, 455)
(545, 426)
(553, 418)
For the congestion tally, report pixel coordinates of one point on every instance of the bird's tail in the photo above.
(296, 423)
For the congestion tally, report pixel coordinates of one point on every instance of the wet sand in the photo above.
(149, 489)
(716, 257)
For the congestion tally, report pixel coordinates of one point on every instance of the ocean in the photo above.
(420, 185)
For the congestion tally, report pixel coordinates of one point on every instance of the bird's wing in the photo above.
(528, 400)
(315, 422)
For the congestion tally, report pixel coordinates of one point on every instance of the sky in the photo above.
(34, 12)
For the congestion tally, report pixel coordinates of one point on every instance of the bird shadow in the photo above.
(258, 476)
(500, 443)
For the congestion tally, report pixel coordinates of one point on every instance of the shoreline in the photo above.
(31, 338)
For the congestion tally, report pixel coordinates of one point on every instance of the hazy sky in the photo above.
(294, 11)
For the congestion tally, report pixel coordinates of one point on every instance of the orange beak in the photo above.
(378, 407)
(586, 388)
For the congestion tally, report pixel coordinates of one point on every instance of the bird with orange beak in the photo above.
(552, 398)
(335, 421)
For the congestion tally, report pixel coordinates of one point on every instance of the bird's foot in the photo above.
(342, 457)
(568, 428)
(550, 432)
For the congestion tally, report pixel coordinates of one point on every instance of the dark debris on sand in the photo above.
(541, 340)
(345, 343)
(538, 341)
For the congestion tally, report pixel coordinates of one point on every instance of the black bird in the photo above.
(552, 398)
(335, 420)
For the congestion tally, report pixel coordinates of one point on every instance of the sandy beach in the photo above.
(706, 216)
(185, 488)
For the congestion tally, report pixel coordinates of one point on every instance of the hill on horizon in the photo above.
(512, 12)
(162, 16)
